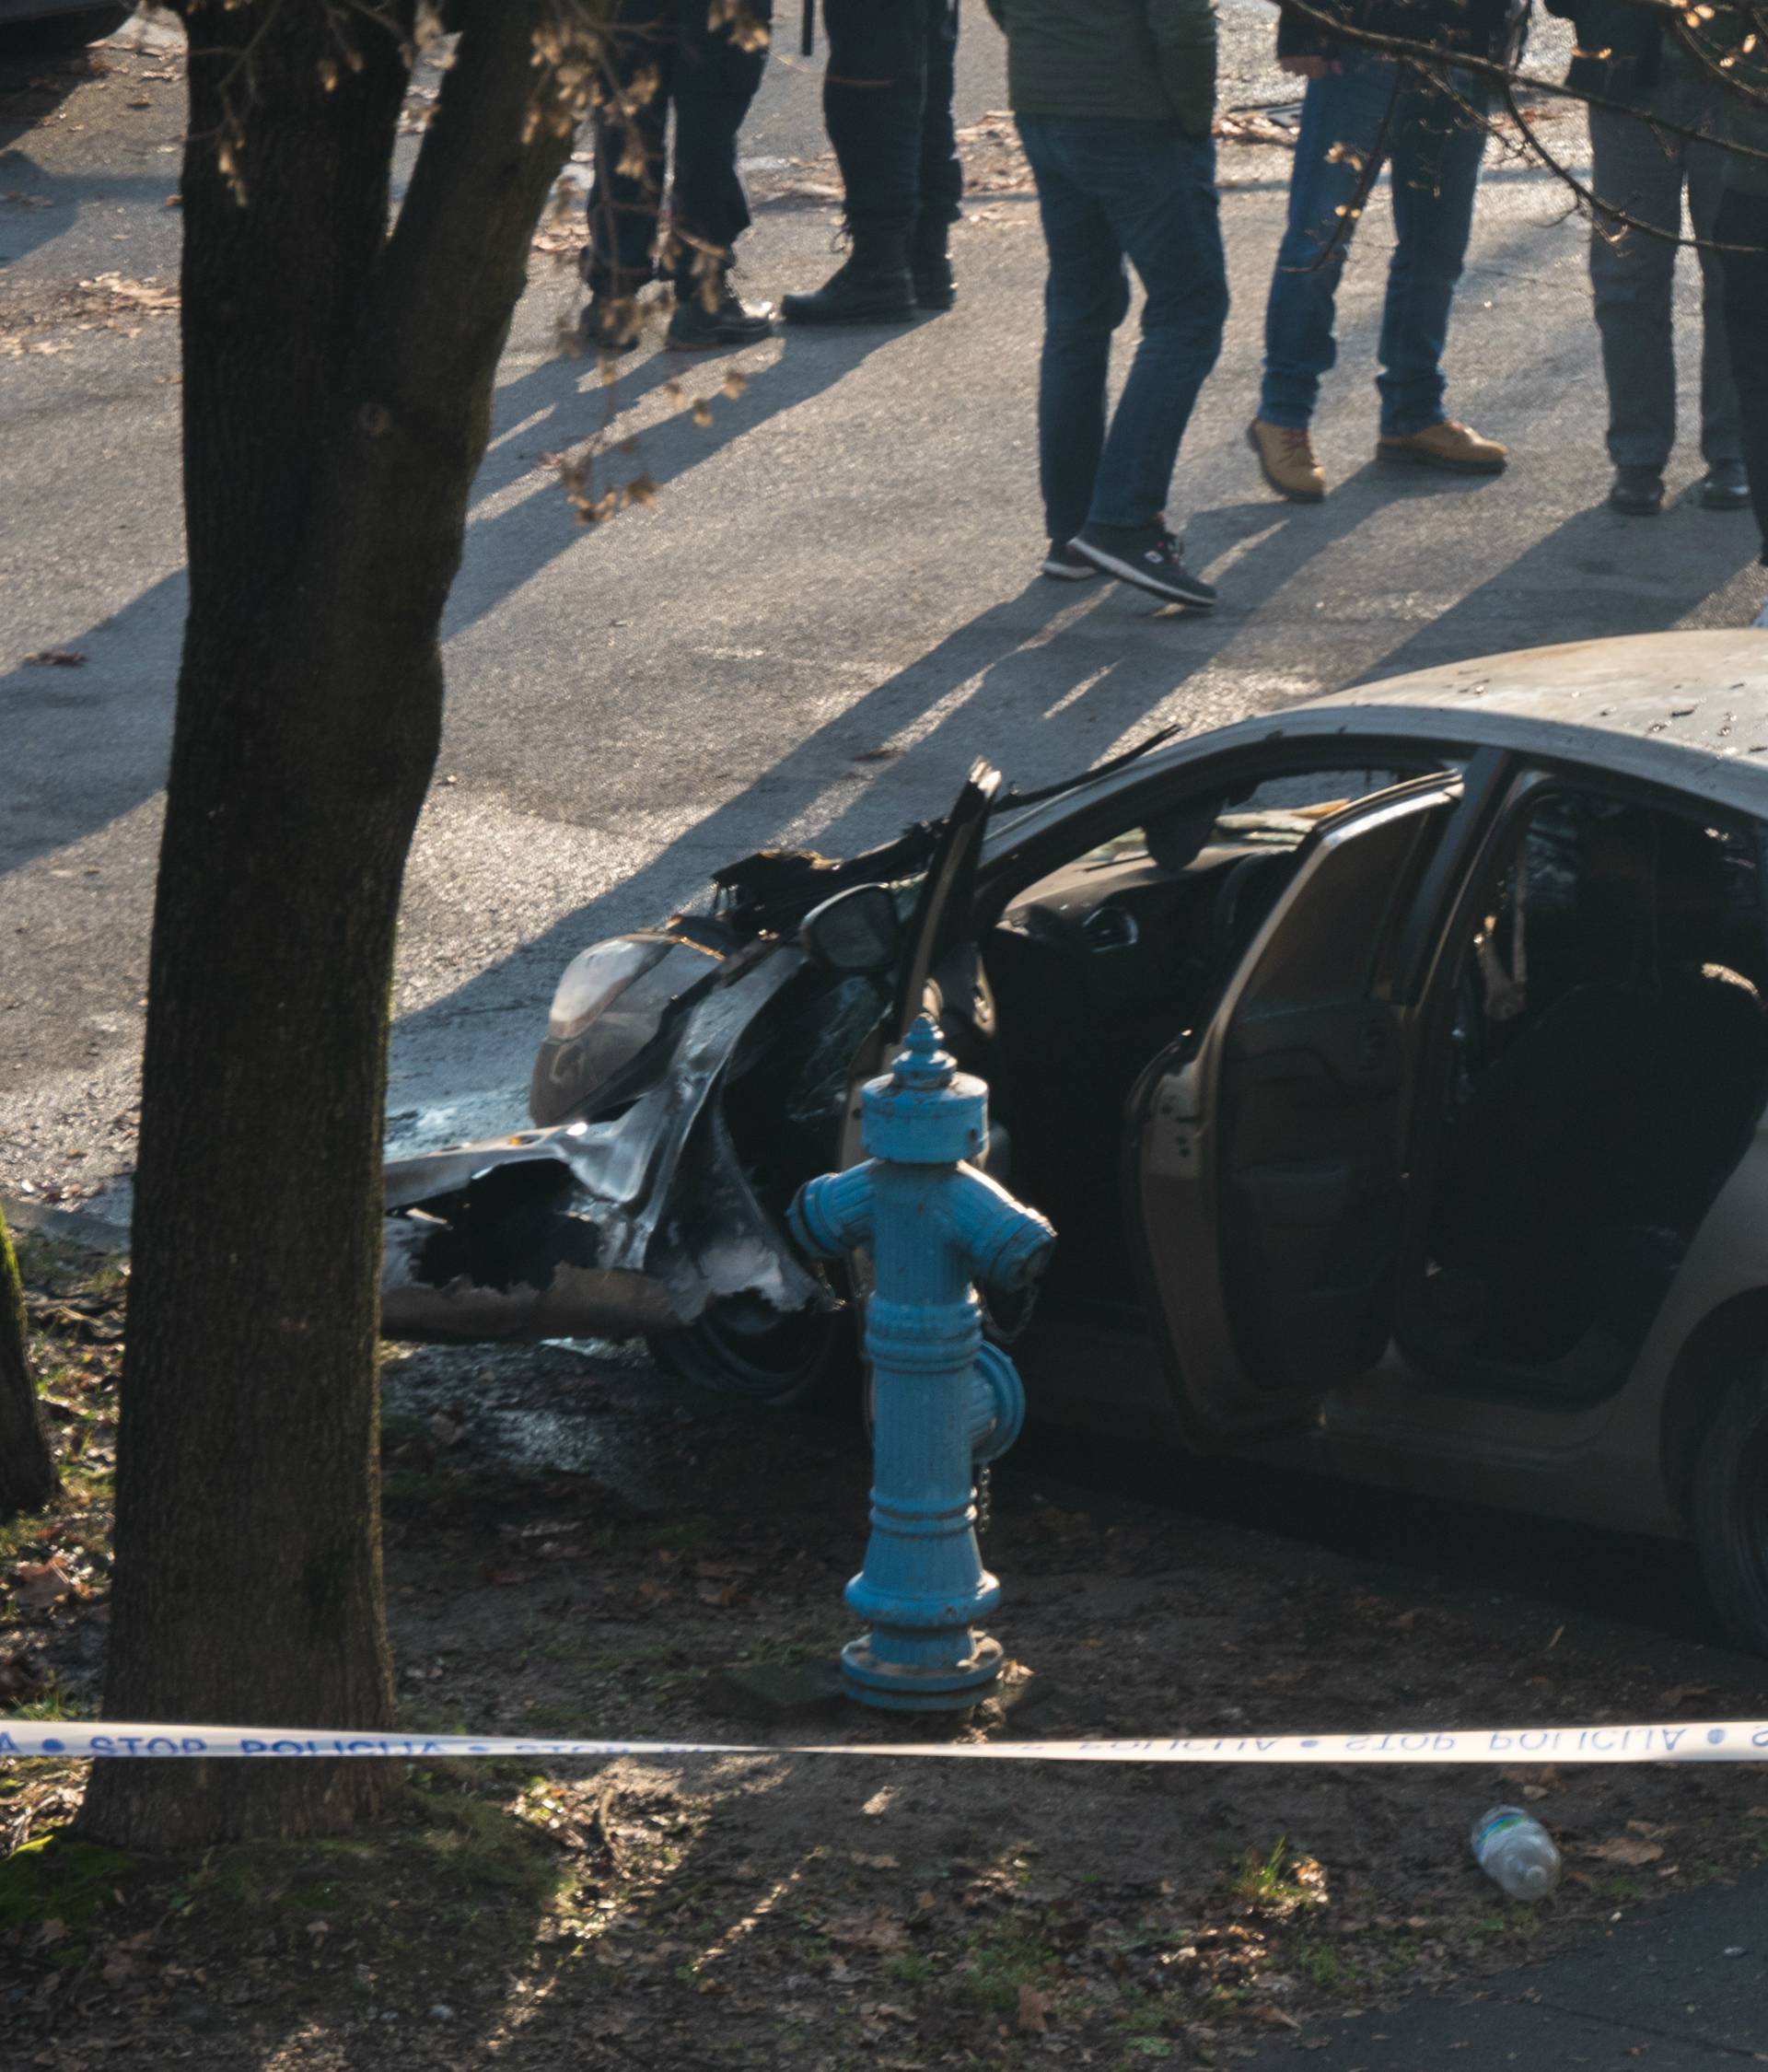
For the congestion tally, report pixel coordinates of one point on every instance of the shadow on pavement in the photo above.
(92, 742)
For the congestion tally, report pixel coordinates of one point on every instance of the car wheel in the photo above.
(1729, 1509)
(742, 1347)
(61, 33)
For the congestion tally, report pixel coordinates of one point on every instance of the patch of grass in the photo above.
(1276, 1883)
(912, 1968)
(1005, 1957)
(1322, 1964)
(59, 1878)
(449, 1854)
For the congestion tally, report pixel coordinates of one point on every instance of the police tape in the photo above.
(1734, 1740)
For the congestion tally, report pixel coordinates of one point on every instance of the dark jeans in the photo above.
(1433, 148)
(709, 80)
(1107, 192)
(1744, 220)
(886, 105)
(1642, 171)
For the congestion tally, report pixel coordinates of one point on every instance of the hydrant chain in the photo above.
(946, 1400)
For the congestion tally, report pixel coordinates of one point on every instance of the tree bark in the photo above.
(27, 1477)
(337, 394)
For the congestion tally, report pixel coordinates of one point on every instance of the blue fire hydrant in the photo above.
(944, 1400)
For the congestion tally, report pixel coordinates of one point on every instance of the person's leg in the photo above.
(1435, 172)
(1085, 297)
(1166, 215)
(941, 178)
(1638, 170)
(719, 67)
(1742, 224)
(872, 94)
(629, 152)
(1724, 487)
(718, 70)
(1157, 190)
(1343, 125)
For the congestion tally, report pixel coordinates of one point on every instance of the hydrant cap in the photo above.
(926, 1112)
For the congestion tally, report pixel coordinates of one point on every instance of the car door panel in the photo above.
(1268, 1167)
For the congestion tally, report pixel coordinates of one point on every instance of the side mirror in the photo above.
(856, 932)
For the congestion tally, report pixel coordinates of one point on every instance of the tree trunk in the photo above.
(27, 1477)
(337, 400)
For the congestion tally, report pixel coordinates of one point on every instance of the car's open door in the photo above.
(1267, 1151)
(944, 892)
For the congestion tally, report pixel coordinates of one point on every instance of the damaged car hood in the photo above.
(607, 1229)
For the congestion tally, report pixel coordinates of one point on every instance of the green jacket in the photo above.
(1150, 61)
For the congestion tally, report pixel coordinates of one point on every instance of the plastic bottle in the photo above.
(1516, 1853)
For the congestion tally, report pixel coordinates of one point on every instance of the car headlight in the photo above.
(609, 1002)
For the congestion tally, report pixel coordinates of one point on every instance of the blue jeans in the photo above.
(1108, 192)
(1433, 148)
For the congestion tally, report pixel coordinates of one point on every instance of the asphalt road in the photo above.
(832, 609)
(1678, 1988)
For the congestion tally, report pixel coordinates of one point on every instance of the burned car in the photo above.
(1392, 1067)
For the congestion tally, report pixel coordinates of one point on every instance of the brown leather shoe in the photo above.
(1457, 447)
(1286, 461)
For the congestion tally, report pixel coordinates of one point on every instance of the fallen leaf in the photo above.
(1627, 1850)
(1275, 2017)
(1678, 1692)
(54, 657)
(877, 1930)
(1034, 2008)
(41, 1584)
(874, 1863)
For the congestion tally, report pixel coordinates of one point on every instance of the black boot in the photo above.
(935, 285)
(610, 324)
(874, 287)
(711, 315)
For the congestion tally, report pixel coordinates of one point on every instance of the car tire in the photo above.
(58, 34)
(777, 1363)
(1727, 1508)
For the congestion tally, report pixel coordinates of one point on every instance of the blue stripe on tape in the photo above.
(1736, 1740)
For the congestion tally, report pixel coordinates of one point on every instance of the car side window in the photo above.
(1595, 889)
(1606, 1064)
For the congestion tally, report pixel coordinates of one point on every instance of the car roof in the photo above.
(1689, 709)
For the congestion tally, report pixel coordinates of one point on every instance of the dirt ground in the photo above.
(575, 1548)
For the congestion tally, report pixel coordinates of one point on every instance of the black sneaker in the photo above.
(1637, 492)
(1065, 565)
(731, 322)
(1146, 555)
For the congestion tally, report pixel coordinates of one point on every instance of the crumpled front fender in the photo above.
(596, 1230)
